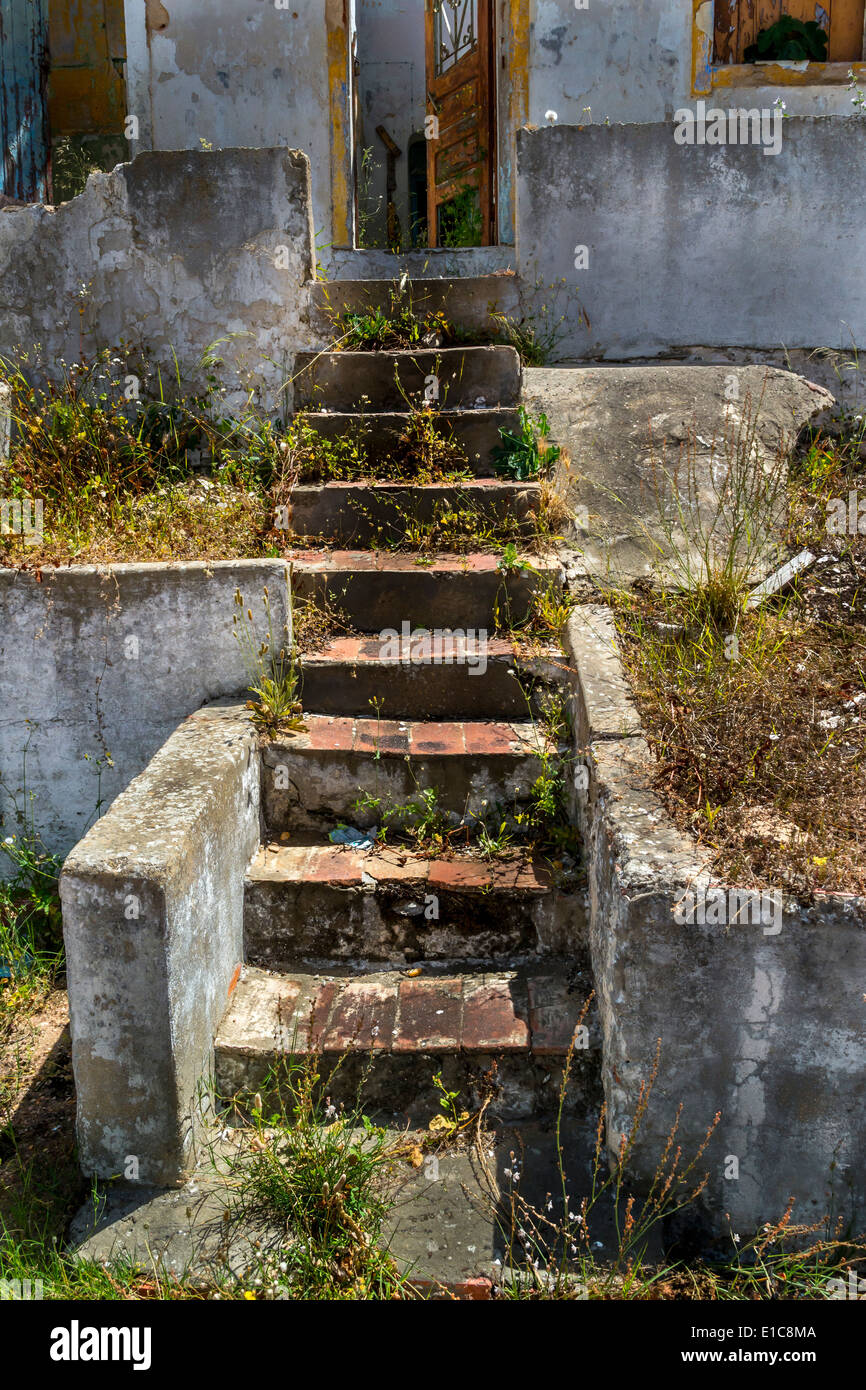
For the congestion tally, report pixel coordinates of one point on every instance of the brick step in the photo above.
(314, 779)
(467, 376)
(365, 513)
(321, 903)
(393, 1033)
(475, 432)
(379, 590)
(429, 676)
(467, 302)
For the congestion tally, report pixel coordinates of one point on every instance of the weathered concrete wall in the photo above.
(233, 73)
(710, 245)
(764, 1026)
(171, 252)
(153, 927)
(99, 664)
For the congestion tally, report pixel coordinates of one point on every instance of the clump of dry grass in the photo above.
(758, 717)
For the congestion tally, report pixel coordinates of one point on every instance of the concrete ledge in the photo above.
(762, 1021)
(604, 706)
(153, 924)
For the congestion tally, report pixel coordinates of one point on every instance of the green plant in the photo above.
(525, 455)
(273, 669)
(316, 1174)
(716, 518)
(460, 221)
(511, 562)
(791, 40)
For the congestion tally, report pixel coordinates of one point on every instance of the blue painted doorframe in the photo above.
(24, 134)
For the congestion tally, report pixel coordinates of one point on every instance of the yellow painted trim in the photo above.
(339, 100)
(774, 75)
(519, 75)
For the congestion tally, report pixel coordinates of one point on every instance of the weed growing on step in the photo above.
(525, 455)
(403, 325)
(421, 821)
(462, 525)
(319, 619)
(314, 1176)
(273, 668)
(424, 451)
(537, 333)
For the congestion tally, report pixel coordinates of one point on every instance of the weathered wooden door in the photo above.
(461, 143)
(24, 135)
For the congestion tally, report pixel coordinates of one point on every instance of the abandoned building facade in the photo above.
(630, 169)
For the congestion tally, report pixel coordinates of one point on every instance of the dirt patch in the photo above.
(39, 1180)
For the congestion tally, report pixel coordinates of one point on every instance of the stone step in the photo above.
(467, 302)
(382, 1036)
(377, 590)
(314, 779)
(476, 376)
(365, 513)
(326, 903)
(425, 676)
(475, 432)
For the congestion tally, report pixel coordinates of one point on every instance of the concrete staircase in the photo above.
(411, 964)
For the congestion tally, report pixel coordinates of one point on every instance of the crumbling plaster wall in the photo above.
(233, 73)
(171, 253)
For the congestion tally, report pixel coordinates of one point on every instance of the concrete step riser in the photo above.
(466, 303)
(376, 599)
(391, 1033)
(315, 789)
(476, 432)
(288, 924)
(425, 691)
(387, 1085)
(362, 515)
(373, 381)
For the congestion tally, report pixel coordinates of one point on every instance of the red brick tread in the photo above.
(504, 1011)
(383, 561)
(396, 866)
(399, 737)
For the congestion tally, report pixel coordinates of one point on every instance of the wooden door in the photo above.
(461, 143)
(25, 148)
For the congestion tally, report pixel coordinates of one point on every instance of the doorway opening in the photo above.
(425, 138)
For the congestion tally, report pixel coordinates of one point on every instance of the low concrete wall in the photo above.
(697, 244)
(153, 926)
(764, 1026)
(170, 253)
(97, 668)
